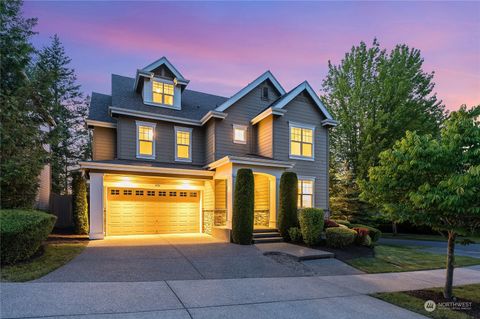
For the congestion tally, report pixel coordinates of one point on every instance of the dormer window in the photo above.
(162, 93)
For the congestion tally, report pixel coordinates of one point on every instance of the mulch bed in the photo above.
(437, 296)
(65, 238)
(349, 252)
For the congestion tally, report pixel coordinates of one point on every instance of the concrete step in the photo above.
(265, 230)
(266, 235)
(267, 240)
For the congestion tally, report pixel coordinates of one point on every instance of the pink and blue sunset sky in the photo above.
(221, 46)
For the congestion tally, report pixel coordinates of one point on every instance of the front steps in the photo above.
(266, 235)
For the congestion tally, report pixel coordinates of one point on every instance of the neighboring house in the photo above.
(165, 157)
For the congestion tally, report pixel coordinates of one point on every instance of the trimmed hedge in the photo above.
(373, 232)
(287, 215)
(80, 205)
(295, 235)
(242, 226)
(362, 233)
(311, 225)
(22, 233)
(339, 237)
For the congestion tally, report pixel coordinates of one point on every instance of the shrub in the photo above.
(287, 215)
(295, 234)
(374, 233)
(242, 226)
(80, 205)
(338, 237)
(367, 241)
(330, 223)
(311, 225)
(22, 233)
(361, 234)
(342, 222)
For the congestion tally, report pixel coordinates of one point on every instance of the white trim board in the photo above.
(144, 169)
(250, 161)
(237, 96)
(164, 61)
(101, 124)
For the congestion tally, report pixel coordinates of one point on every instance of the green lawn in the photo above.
(401, 299)
(475, 239)
(55, 255)
(389, 258)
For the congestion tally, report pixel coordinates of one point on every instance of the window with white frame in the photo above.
(239, 134)
(305, 193)
(183, 144)
(301, 141)
(145, 139)
(162, 93)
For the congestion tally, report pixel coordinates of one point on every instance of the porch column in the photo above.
(96, 206)
(230, 192)
(275, 189)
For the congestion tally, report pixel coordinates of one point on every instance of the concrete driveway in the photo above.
(167, 257)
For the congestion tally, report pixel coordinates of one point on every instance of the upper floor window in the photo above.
(239, 134)
(305, 193)
(162, 93)
(183, 144)
(145, 139)
(301, 141)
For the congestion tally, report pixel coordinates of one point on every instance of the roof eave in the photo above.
(249, 161)
(266, 113)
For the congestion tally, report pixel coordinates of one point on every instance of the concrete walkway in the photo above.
(437, 247)
(288, 297)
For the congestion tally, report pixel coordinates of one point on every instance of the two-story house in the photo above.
(165, 157)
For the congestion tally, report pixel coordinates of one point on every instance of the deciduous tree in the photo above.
(433, 180)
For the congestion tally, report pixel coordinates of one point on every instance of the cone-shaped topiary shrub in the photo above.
(242, 223)
(80, 205)
(287, 215)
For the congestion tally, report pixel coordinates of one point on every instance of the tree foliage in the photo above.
(22, 155)
(61, 96)
(376, 97)
(433, 180)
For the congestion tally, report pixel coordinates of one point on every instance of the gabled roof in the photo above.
(148, 72)
(237, 96)
(98, 110)
(304, 86)
(195, 105)
(164, 61)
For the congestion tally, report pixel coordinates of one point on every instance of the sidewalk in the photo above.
(288, 297)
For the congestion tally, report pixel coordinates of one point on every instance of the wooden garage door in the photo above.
(149, 211)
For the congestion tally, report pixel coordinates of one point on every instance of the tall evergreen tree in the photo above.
(61, 94)
(22, 154)
(376, 96)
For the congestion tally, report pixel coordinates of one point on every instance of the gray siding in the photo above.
(241, 113)
(164, 141)
(264, 137)
(210, 141)
(103, 143)
(303, 110)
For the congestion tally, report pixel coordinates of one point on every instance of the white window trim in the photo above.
(164, 81)
(300, 125)
(312, 179)
(241, 127)
(183, 129)
(149, 124)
